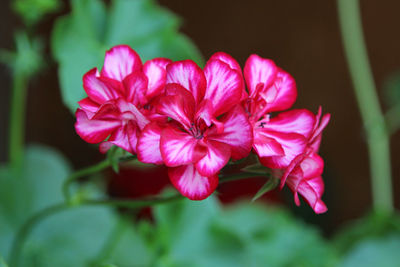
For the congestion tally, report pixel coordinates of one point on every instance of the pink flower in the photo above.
(119, 102)
(206, 127)
(303, 175)
(277, 140)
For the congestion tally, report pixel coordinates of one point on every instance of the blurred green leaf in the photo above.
(32, 11)
(80, 39)
(200, 234)
(28, 57)
(72, 237)
(391, 89)
(2, 262)
(374, 225)
(36, 187)
(382, 252)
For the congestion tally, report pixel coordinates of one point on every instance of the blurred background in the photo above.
(302, 37)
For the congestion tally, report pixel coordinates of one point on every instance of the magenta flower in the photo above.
(206, 127)
(277, 140)
(303, 175)
(119, 99)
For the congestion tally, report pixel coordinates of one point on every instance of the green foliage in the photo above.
(70, 237)
(2, 263)
(27, 59)
(374, 225)
(202, 234)
(34, 188)
(80, 39)
(32, 11)
(383, 252)
(391, 89)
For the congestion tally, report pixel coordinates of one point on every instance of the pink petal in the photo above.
(237, 133)
(217, 157)
(100, 90)
(148, 146)
(94, 130)
(292, 144)
(191, 183)
(135, 88)
(227, 59)
(179, 148)
(306, 179)
(155, 70)
(312, 166)
(224, 86)
(178, 105)
(130, 112)
(125, 137)
(89, 106)
(266, 147)
(310, 190)
(259, 71)
(187, 74)
(281, 94)
(300, 121)
(120, 61)
(224, 57)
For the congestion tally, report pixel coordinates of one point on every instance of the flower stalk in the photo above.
(368, 103)
(17, 119)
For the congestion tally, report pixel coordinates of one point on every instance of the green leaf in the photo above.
(271, 184)
(3, 263)
(36, 187)
(32, 11)
(376, 252)
(28, 58)
(374, 225)
(70, 237)
(191, 233)
(391, 89)
(80, 39)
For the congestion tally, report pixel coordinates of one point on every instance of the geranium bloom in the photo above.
(206, 127)
(303, 175)
(277, 140)
(119, 97)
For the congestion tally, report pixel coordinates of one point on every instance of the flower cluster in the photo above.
(195, 120)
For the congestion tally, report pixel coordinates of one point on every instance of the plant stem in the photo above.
(17, 119)
(368, 103)
(81, 173)
(237, 176)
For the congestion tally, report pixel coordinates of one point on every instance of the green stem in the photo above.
(367, 99)
(81, 173)
(17, 119)
(88, 171)
(237, 176)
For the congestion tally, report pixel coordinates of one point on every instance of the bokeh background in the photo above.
(302, 37)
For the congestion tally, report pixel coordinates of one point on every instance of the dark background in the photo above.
(302, 37)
